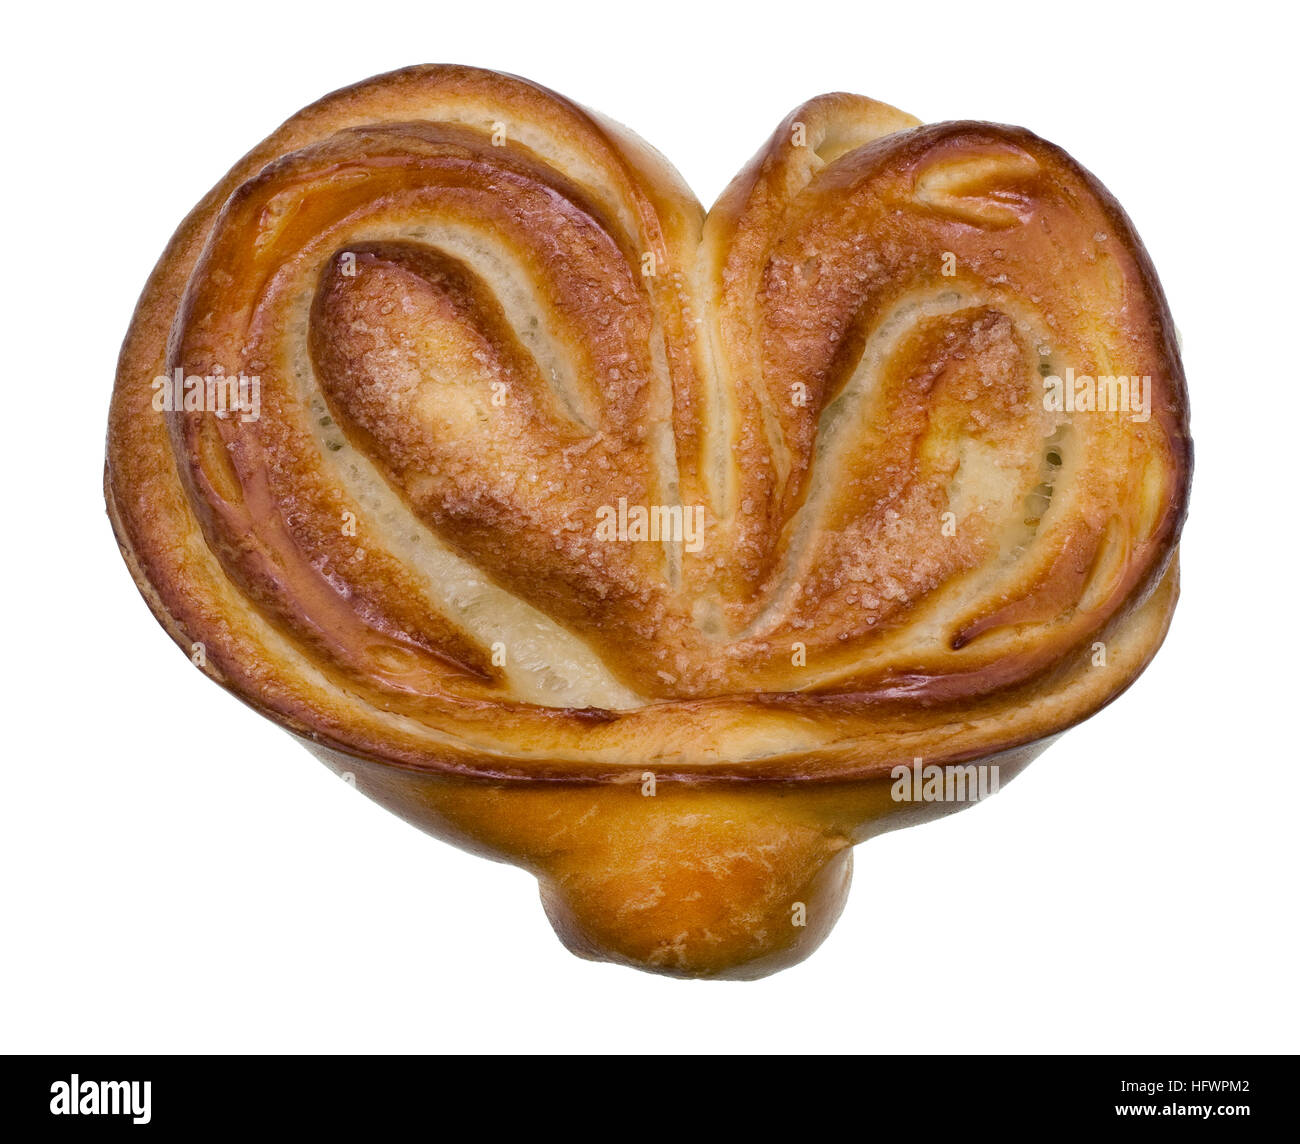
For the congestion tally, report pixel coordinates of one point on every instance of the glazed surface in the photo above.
(483, 319)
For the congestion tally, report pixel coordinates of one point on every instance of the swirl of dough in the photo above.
(492, 335)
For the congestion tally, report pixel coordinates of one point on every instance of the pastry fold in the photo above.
(638, 546)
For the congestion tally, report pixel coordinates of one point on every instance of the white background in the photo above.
(177, 875)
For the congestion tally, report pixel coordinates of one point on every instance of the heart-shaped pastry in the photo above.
(664, 554)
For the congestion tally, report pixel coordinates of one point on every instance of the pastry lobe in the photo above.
(642, 546)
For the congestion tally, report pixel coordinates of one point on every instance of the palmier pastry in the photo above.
(666, 554)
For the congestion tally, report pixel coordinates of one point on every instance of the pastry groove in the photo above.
(472, 622)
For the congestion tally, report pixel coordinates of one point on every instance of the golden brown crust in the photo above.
(483, 320)
(832, 392)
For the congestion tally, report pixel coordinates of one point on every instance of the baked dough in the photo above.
(487, 337)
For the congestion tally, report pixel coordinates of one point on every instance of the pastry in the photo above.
(666, 554)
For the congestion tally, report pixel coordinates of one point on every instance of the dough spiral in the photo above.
(491, 336)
